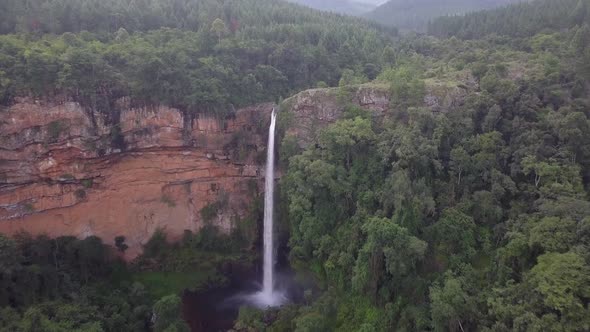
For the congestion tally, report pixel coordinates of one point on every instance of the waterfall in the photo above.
(268, 268)
(268, 296)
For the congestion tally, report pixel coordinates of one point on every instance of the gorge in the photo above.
(65, 170)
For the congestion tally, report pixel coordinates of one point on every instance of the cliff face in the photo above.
(310, 111)
(67, 171)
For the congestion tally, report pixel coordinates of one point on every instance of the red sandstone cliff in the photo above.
(67, 171)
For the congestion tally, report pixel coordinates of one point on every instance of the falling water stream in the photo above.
(203, 316)
(269, 296)
(268, 277)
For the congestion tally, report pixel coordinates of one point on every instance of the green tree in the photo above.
(167, 315)
(388, 56)
(563, 282)
(388, 250)
(553, 234)
(347, 139)
(9, 255)
(218, 27)
(451, 305)
(455, 236)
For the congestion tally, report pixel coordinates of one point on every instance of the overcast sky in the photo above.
(375, 2)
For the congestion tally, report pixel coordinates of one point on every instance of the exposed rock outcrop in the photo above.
(65, 170)
(314, 109)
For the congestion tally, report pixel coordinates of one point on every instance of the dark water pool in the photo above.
(217, 309)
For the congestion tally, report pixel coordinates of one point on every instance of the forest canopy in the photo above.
(195, 55)
(522, 19)
(414, 15)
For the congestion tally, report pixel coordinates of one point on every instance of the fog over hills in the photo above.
(349, 7)
(415, 14)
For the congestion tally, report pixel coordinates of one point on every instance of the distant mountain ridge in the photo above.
(348, 7)
(518, 20)
(415, 14)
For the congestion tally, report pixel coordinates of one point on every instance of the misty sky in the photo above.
(375, 2)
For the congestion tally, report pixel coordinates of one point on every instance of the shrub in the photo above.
(54, 130)
(120, 243)
(28, 207)
(210, 211)
(87, 183)
(250, 319)
(156, 245)
(80, 193)
(168, 201)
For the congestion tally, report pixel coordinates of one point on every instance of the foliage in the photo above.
(192, 263)
(415, 15)
(250, 319)
(56, 285)
(120, 243)
(200, 56)
(521, 19)
(446, 221)
(166, 315)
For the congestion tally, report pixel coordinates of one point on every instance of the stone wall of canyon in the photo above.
(65, 170)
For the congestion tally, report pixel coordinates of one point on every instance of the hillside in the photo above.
(517, 20)
(209, 56)
(348, 7)
(415, 14)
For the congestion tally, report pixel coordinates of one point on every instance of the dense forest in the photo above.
(471, 220)
(523, 19)
(414, 15)
(66, 284)
(195, 55)
(474, 219)
(349, 7)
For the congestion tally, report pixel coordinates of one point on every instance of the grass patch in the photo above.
(194, 263)
(159, 284)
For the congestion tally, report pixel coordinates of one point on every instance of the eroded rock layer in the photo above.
(65, 170)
